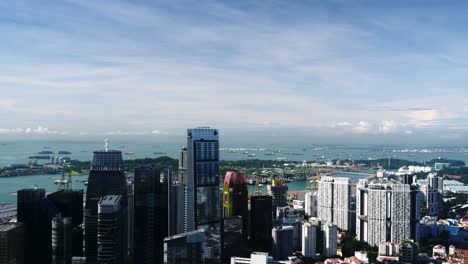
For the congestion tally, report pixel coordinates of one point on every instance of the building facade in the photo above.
(309, 239)
(434, 194)
(106, 177)
(33, 213)
(185, 248)
(334, 202)
(12, 243)
(235, 198)
(261, 222)
(282, 246)
(330, 237)
(383, 212)
(112, 242)
(203, 203)
(311, 204)
(151, 215)
(62, 239)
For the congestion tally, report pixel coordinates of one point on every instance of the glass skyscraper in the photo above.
(106, 177)
(203, 207)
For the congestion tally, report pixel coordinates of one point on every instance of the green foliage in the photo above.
(351, 244)
(462, 171)
(426, 245)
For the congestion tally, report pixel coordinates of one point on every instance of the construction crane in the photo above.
(312, 181)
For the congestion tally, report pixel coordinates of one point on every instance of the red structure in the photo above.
(235, 197)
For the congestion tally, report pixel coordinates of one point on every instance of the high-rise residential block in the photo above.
(282, 246)
(309, 239)
(434, 194)
(311, 204)
(334, 201)
(330, 235)
(383, 212)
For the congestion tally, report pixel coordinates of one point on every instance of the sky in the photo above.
(380, 71)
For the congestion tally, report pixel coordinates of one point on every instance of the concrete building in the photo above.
(311, 204)
(383, 211)
(202, 179)
(330, 240)
(185, 248)
(389, 249)
(309, 239)
(408, 252)
(12, 243)
(111, 240)
(235, 198)
(282, 242)
(260, 258)
(279, 193)
(334, 201)
(434, 194)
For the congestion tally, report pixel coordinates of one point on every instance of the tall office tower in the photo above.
(69, 203)
(203, 194)
(151, 216)
(112, 242)
(185, 248)
(309, 239)
(383, 212)
(330, 234)
(282, 246)
(130, 218)
(182, 182)
(261, 222)
(106, 177)
(176, 220)
(33, 213)
(12, 243)
(235, 198)
(415, 215)
(334, 201)
(62, 239)
(408, 252)
(434, 194)
(279, 193)
(311, 204)
(233, 238)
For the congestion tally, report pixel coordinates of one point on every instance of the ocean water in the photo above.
(19, 151)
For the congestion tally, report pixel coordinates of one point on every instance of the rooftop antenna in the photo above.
(106, 143)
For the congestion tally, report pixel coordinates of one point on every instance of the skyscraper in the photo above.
(106, 177)
(434, 194)
(383, 212)
(334, 201)
(309, 239)
(177, 193)
(185, 248)
(69, 203)
(282, 246)
(151, 216)
(62, 239)
(12, 243)
(33, 213)
(112, 242)
(330, 234)
(235, 198)
(261, 222)
(279, 193)
(311, 204)
(202, 181)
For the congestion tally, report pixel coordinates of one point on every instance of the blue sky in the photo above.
(333, 69)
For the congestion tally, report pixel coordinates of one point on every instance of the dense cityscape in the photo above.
(201, 213)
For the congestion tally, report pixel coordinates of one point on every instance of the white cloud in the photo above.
(363, 127)
(39, 130)
(387, 126)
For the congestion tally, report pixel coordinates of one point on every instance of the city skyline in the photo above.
(332, 70)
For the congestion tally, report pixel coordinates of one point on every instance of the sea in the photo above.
(17, 152)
